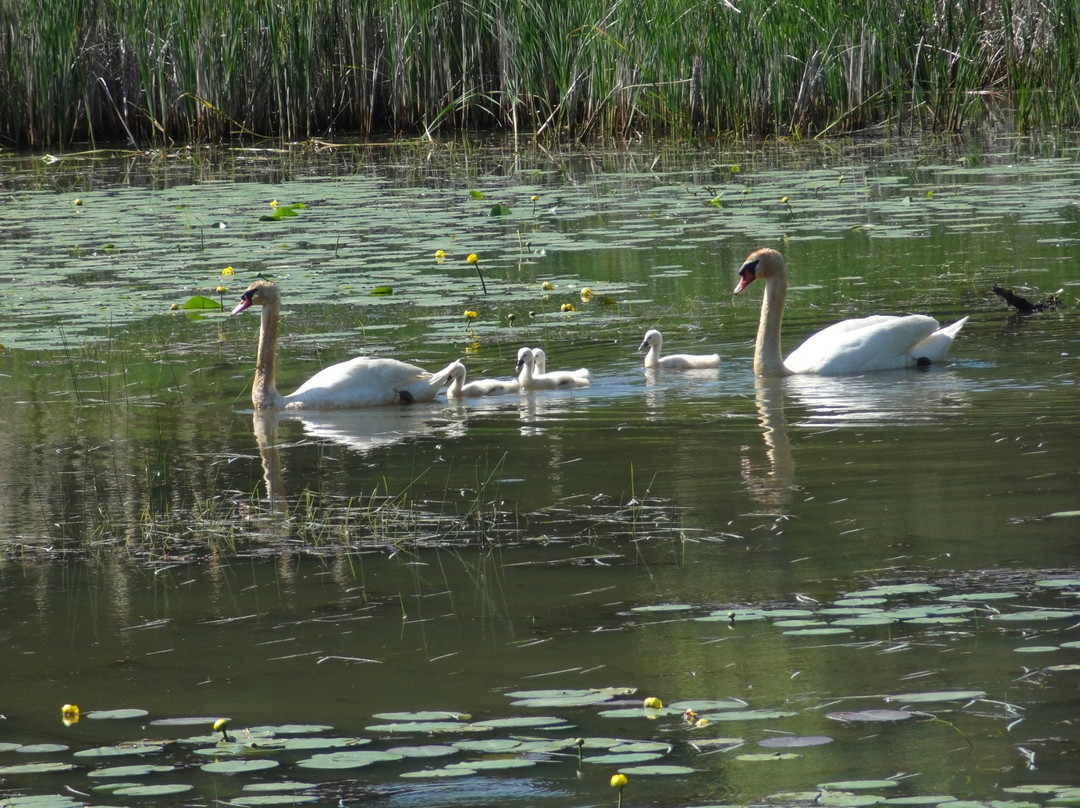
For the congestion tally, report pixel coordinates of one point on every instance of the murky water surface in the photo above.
(867, 582)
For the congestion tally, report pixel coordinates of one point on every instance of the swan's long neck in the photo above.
(768, 358)
(264, 394)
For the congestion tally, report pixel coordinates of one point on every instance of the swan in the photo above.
(481, 387)
(529, 379)
(654, 339)
(360, 382)
(880, 342)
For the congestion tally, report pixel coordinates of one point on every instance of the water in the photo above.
(165, 550)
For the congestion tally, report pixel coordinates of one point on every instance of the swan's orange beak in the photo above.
(245, 301)
(746, 277)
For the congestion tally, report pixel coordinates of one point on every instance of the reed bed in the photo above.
(154, 73)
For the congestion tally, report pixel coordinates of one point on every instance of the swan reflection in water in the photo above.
(903, 398)
(360, 431)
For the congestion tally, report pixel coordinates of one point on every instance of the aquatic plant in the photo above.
(151, 73)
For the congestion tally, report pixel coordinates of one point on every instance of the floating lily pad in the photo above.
(37, 768)
(749, 715)
(638, 712)
(534, 721)
(114, 715)
(817, 632)
(429, 751)
(490, 746)
(757, 757)
(493, 764)
(238, 766)
(857, 785)
(130, 771)
(1035, 649)
(622, 759)
(664, 607)
(1035, 615)
(702, 705)
(186, 721)
(409, 727)
(425, 715)
(279, 785)
(41, 801)
(438, 773)
(842, 800)
(42, 748)
(290, 729)
(656, 770)
(272, 799)
(869, 715)
(1058, 583)
(793, 741)
(980, 597)
(118, 751)
(568, 698)
(926, 799)
(347, 760)
(160, 790)
(940, 695)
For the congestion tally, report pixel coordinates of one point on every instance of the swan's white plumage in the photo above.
(654, 340)
(880, 342)
(529, 379)
(360, 382)
(459, 388)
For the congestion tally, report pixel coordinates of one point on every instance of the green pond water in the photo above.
(868, 587)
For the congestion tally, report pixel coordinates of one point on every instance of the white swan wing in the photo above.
(360, 382)
(689, 361)
(880, 342)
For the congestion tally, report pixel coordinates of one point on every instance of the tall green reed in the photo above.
(187, 70)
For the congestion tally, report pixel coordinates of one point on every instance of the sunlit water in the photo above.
(696, 536)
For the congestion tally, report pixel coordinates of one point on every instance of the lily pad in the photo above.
(758, 757)
(857, 785)
(940, 695)
(613, 759)
(749, 715)
(490, 746)
(238, 766)
(444, 772)
(118, 751)
(493, 764)
(347, 760)
(271, 799)
(534, 721)
(115, 715)
(160, 790)
(42, 748)
(37, 768)
(793, 741)
(657, 770)
(429, 751)
(130, 771)
(869, 715)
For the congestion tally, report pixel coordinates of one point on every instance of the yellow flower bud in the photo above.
(547, 286)
(470, 314)
(228, 271)
(439, 255)
(473, 258)
(653, 703)
(618, 781)
(70, 709)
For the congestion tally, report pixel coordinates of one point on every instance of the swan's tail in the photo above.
(934, 347)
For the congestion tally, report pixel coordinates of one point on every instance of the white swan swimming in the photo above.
(361, 382)
(654, 339)
(529, 379)
(880, 342)
(458, 387)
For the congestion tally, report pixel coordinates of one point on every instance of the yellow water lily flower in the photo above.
(470, 314)
(567, 307)
(547, 286)
(586, 294)
(221, 290)
(77, 202)
(653, 703)
(273, 203)
(534, 198)
(619, 780)
(228, 272)
(701, 722)
(70, 709)
(439, 255)
(473, 258)
(219, 726)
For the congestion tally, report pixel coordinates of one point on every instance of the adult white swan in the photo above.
(459, 388)
(529, 379)
(654, 339)
(361, 382)
(880, 342)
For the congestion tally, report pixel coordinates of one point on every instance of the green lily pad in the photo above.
(758, 757)
(817, 632)
(114, 715)
(926, 799)
(492, 746)
(794, 741)
(160, 790)
(869, 715)
(980, 597)
(130, 771)
(426, 727)
(656, 771)
(42, 748)
(382, 291)
(493, 764)
(940, 695)
(568, 698)
(1035, 615)
(749, 715)
(424, 715)
(535, 721)
(429, 751)
(290, 729)
(118, 751)
(41, 801)
(1035, 649)
(347, 760)
(1058, 583)
(857, 785)
(200, 302)
(622, 759)
(279, 785)
(37, 768)
(664, 607)
(238, 766)
(842, 800)
(272, 799)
